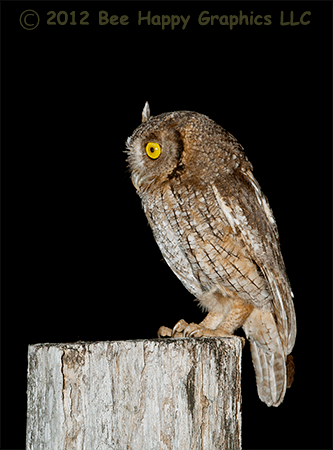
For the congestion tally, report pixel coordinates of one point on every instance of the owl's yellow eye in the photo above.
(153, 150)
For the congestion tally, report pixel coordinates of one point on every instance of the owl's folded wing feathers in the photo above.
(252, 220)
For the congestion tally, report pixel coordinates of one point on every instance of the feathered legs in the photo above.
(214, 324)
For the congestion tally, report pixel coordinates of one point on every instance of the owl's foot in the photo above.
(197, 330)
(176, 332)
(183, 329)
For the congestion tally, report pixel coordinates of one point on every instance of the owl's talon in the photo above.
(193, 330)
(243, 341)
(195, 333)
(179, 328)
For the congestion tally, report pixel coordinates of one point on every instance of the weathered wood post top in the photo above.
(180, 394)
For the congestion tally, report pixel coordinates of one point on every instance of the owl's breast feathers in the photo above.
(223, 234)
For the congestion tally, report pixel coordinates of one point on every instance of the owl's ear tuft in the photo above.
(145, 113)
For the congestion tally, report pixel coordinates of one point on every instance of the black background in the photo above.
(79, 260)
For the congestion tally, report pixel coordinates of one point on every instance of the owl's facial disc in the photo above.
(154, 154)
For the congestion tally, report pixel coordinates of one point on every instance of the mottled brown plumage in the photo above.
(216, 231)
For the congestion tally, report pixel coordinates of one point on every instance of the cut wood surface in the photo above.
(139, 395)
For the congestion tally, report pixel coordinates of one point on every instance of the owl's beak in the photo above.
(135, 180)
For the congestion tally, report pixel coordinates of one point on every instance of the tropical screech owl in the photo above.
(216, 231)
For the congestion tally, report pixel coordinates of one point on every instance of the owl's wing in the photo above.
(250, 216)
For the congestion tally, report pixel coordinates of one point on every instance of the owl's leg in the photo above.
(218, 324)
(183, 329)
(236, 317)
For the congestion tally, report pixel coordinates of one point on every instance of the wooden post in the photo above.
(181, 394)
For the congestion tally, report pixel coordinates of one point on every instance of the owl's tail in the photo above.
(271, 377)
(268, 357)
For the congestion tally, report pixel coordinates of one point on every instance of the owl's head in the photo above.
(155, 149)
(178, 143)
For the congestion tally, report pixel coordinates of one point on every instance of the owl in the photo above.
(217, 233)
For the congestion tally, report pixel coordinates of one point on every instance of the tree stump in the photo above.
(181, 394)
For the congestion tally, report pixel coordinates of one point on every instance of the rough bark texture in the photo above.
(146, 394)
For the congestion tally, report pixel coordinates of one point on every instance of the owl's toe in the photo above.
(164, 332)
(197, 333)
(193, 330)
(196, 330)
(179, 328)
